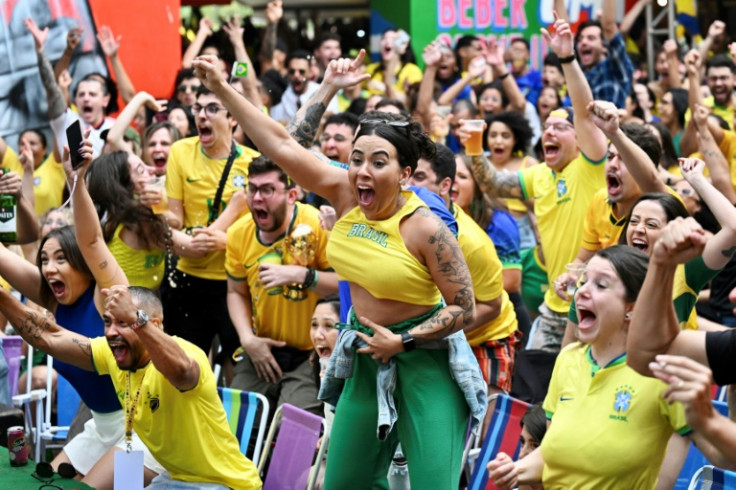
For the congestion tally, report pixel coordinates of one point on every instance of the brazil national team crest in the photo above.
(238, 181)
(561, 188)
(622, 403)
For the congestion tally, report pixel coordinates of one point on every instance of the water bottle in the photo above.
(398, 472)
(8, 226)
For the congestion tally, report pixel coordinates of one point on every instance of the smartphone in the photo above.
(402, 41)
(74, 140)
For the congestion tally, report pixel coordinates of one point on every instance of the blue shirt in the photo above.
(610, 78)
(530, 85)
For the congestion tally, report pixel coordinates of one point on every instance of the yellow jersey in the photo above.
(406, 75)
(49, 180)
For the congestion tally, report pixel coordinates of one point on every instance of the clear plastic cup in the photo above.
(474, 145)
(575, 269)
(158, 185)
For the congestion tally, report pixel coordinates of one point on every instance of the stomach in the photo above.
(383, 311)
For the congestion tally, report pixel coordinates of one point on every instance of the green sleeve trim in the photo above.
(684, 431)
(594, 162)
(698, 274)
(239, 279)
(522, 184)
(549, 415)
(572, 313)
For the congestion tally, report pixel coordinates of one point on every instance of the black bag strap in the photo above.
(215, 210)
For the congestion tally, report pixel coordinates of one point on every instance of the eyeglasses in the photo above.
(301, 71)
(558, 127)
(210, 110)
(45, 473)
(266, 190)
(184, 87)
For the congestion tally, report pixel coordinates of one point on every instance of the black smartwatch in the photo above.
(408, 341)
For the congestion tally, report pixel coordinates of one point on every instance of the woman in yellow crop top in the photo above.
(138, 238)
(422, 261)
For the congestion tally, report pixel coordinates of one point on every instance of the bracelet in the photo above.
(503, 77)
(309, 278)
(315, 281)
(567, 59)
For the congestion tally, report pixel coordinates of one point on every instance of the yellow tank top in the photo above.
(517, 205)
(373, 255)
(142, 267)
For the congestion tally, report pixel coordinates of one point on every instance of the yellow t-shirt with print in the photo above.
(186, 431)
(612, 412)
(277, 316)
(486, 272)
(193, 178)
(142, 267)
(561, 201)
(406, 75)
(49, 180)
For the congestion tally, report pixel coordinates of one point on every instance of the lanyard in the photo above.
(130, 410)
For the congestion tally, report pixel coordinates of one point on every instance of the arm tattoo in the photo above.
(103, 264)
(269, 41)
(84, 347)
(303, 129)
(31, 325)
(54, 95)
(491, 181)
(453, 268)
(728, 252)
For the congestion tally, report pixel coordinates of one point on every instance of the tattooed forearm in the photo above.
(728, 252)
(491, 181)
(269, 41)
(83, 346)
(31, 325)
(303, 127)
(453, 270)
(54, 95)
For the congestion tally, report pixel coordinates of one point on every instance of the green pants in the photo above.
(432, 421)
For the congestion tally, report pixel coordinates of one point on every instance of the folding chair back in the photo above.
(695, 459)
(12, 348)
(294, 450)
(67, 405)
(711, 478)
(25, 400)
(502, 436)
(241, 408)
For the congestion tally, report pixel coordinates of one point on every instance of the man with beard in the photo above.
(196, 174)
(300, 88)
(719, 75)
(164, 382)
(277, 270)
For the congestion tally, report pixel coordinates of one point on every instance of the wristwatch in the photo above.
(408, 342)
(141, 320)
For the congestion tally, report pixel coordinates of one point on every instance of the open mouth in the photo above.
(323, 351)
(119, 349)
(366, 195)
(551, 150)
(614, 184)
(57, 287)
(205, 134)
(499, 152)
(159, 161)
(586, 318)
(640, 243)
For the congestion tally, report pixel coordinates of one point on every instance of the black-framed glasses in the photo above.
(187, 87)
(266, 190)
(210, 109)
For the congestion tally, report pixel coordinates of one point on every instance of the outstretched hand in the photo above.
(73, 38)
(39, 36)
(108, 42)
(345, 72)
(234, 30)
(692, 169)
(383, 345)
(561, 41)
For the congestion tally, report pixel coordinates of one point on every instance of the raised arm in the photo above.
(432, 56)
(715, 31)
(720, 173)
(693, 62)
(654, 328)
(605, 116)
(275, 142)
(594, 144)
(608, 19)
(495, 58)
(41, 331)
(721, 247)
(491, 181)
(203, 32)
(169, 357)
(87, 229)
(115, 135)
(673, 62)
(110, 46)
(73, 38)
(628, 21)
(274, 13)
(339, 74)
(234, 32)
(477, 68)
